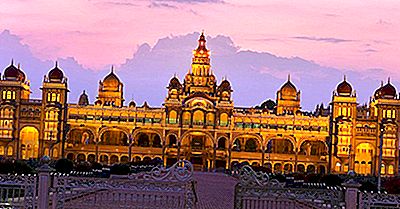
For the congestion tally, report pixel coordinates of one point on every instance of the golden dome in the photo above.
(111, 82)
(288, 91)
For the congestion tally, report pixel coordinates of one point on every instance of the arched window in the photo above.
(157, 141)
(251, 145)
(391, 169)
(6, 122)
(172, 118)
(143, 140)
(2, 152)
(236, 145)
(172, 142)
(198, 117)
(221, 143)
(186, 118)
(114, 137)
(210, 119)
(310, 169)
(223, 119)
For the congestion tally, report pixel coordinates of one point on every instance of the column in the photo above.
(44, 184)
(214, 158)
(262, 155)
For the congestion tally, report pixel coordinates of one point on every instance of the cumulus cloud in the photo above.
(255, 76)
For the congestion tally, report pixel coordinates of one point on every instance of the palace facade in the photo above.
(199, 122)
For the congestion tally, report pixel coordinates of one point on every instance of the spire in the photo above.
(344, 77)
(12, 61)
(112, 68)
(288, 77)
(201, 50)
(388, 79)
(56, 65)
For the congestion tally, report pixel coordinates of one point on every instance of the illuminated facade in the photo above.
(199, 122)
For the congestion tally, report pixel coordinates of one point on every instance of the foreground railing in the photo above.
(257, 190)
(18, 191)
(160, 188)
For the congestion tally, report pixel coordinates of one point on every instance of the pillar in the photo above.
(44, 184)
(351, 194)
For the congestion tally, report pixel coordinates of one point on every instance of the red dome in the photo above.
(344, 88)
(13, 73)
(386, 91)
(174, 83)
(56, 74)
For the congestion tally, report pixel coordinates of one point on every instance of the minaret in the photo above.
(200, 77)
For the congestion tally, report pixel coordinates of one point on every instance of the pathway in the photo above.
(215, 190)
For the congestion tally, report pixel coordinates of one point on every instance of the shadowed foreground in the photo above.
(215, 190)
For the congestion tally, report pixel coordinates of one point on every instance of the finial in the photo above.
(12, 61)
(381, 83)
(112, 68)
(175, 75)
(288, 77)
(84, 91)
(56, 64)
(202, 32)
(19, 67)
(388, 79)
(344, 77)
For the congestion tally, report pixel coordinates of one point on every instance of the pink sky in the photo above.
(356, 34)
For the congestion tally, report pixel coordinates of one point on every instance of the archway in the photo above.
(104, 159)
(172, 141)
(277, 168)
(29, 137)
(143, 140)
(315, 148)
(301, 168)
(80, 136)
(114, 159)
(91, 158)
(114, 137)
(194, 144)
(157, 141)
(310, 169)
(251, 145)
(280, 146)
(288, 168)
(222, 143)
(364, 153)
(81, 157)
(236, 145)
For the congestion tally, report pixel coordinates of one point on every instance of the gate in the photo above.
(18, 191)
(160, 188)
(256, 190)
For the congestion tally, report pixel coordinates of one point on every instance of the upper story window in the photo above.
(53, 97)
(389, 114)
(8, 95)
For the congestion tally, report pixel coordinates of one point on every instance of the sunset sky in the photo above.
(355, 34)
(255, 43)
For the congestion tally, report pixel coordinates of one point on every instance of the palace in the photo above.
(199, 122)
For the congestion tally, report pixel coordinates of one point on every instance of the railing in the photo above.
(369, 200)
(257, 190)
(18, 191)
(159, 188)
(172, 187)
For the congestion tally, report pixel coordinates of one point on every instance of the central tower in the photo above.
(200, 78)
